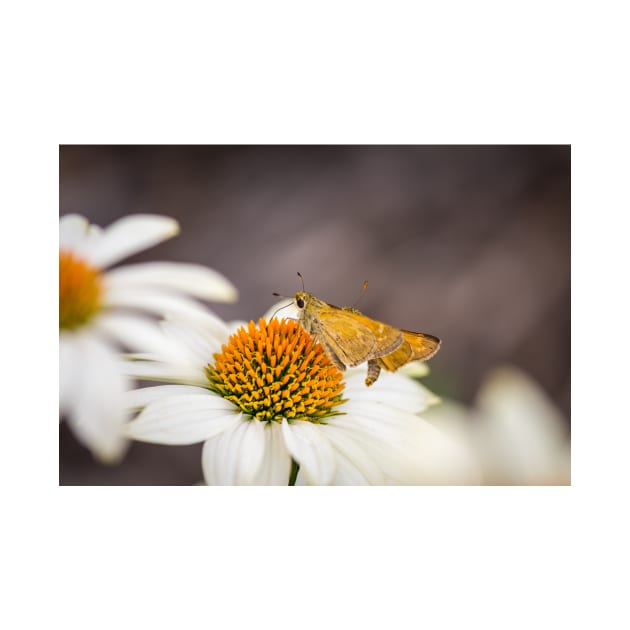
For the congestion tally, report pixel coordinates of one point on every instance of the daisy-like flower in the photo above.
(267, 402)
(102, 311)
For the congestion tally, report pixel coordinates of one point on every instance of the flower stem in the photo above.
(294, 471)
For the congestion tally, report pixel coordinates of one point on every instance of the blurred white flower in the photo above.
(267, 399)
(514, 431)
(102, 311)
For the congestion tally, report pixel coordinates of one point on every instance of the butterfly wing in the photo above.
(353, 338)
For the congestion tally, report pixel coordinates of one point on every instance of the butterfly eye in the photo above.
(300, 303)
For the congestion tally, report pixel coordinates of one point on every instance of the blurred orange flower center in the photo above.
(276, 370)
(80, 291)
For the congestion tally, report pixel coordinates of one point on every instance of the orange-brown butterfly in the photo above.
(349, 338)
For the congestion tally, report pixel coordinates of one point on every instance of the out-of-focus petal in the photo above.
(137, 334)
(153, 301)
(73, 229)
(96, 408)
(68, 364)
(130, 235)
(521, 434)
(192, 279)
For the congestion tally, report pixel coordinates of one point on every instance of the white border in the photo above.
(331, 72)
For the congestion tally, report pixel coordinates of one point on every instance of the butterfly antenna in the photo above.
(279, 309)
(302, 279)
(363, 290)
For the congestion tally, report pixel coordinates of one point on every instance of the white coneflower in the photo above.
(102, 311)
(267, 402)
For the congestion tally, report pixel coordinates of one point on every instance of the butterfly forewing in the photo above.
(355, 338)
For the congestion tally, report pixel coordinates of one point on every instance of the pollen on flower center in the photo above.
(80, 291)
(276, 370)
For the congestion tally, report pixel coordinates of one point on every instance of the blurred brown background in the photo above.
(468, 243)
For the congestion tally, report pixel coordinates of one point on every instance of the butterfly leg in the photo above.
(374, 369)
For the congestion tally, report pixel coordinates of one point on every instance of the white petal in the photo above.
(275, 467)
(343, 442)
(407, 448)
(182, 419)
(392, 389)
(139, 334)
(347, 474)
(138, 398)
(96, 409)
(196, 280)
(459, 424)
(235, 456)
(73, 229)
(520, 434)
(196, 335)
(384, 443)
(153, 301)
(68, 363)
(155, 371)
(310, 449)
(441, 459)
(130, 235)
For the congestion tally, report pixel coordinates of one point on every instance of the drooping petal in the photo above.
(182, 419)
(310, 448)
(130, 235)
(96, 408)
(195, 280)
(235, 456)
(275, 467)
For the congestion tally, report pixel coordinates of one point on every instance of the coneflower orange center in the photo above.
(276, 370)
(80, 291)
